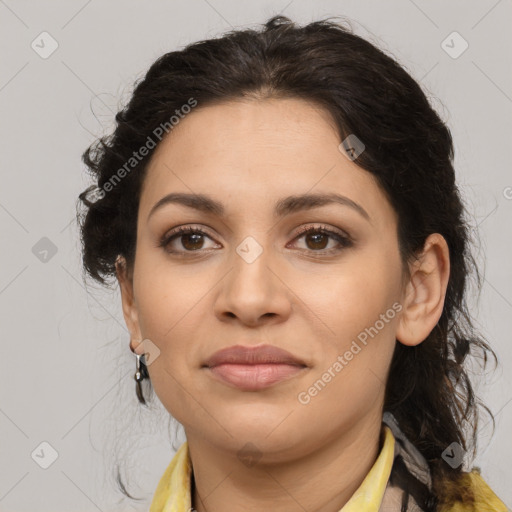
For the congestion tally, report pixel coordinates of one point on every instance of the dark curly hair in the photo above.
(408, 149)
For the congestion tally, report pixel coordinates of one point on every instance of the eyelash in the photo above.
(343, 240)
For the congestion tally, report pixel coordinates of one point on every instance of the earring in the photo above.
(141, 373)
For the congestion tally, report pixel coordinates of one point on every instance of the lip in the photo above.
(253, 368)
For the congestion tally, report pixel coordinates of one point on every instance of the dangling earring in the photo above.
(141, 373)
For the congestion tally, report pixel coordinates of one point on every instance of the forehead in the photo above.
(234, 131)
(254, 152)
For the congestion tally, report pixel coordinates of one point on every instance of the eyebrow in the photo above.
(283, 207)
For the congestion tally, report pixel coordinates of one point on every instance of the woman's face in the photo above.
(252, 278)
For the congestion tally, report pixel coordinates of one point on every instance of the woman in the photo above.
(280, 211)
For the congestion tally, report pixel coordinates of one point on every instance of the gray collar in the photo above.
(413, 459)
(415, 463)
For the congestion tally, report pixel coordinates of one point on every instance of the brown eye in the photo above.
(317, 239)
(192, 241)
(185, 239)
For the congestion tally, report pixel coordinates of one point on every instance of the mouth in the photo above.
(253, 377)
(253, 368)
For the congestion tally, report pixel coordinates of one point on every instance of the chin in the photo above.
(268, 425)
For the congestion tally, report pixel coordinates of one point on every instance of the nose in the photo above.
(254, 289)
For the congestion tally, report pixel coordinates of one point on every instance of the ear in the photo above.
(125, 280)
(424, 295)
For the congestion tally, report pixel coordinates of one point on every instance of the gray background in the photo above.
(66, 369)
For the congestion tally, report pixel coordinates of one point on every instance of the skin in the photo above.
(307, 295)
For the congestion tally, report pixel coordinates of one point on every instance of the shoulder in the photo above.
(484, 498)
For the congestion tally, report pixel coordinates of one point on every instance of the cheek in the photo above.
(167, 318)
(170, 304)
(351, 373)
(350, 394)
(166, 295)
(352, 296)
(359, 306)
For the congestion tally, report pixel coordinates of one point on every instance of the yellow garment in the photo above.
(173, 493)
(485, 498)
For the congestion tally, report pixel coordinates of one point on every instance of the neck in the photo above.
(324, 479)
